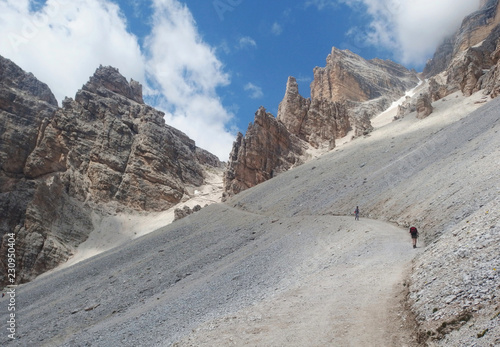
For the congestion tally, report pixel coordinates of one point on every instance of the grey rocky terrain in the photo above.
(256, 260)
(345, 94)
(281, 261)
(101, 153)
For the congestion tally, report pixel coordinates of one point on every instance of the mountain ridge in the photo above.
(349, 91)
(344, 96)
(101, 153)
(229, 265)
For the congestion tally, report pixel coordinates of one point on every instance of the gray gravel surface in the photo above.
(269, 241)
(158, 289)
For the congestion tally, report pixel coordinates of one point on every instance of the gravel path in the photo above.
(349, 292)
(299, 279)
(277, 266)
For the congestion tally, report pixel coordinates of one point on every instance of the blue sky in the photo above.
(209, 64)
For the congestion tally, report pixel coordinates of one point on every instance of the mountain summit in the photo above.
(345, 94)
(104, 151)
(282, 261)
(349, 91)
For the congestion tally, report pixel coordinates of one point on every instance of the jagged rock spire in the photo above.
(110, 79)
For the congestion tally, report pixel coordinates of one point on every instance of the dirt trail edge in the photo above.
(227, 277)
(348, 291)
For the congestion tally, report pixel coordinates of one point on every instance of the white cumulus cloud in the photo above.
(187, 72)
(320, 4)
(411, 29)
(64, 41)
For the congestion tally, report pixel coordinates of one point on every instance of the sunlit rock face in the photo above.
(62, 165)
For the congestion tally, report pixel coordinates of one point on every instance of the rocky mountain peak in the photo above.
(337, 55)
(108, 79)
(292, 87)
(475, 28)
(293, 108)
(315, 121)
(348, 76)
(266, 150)
(478, 25)
(468, 61)
(339, 93)
(12, 76)
(103, 152)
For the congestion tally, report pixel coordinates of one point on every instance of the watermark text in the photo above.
(223, 6)
(11, 278)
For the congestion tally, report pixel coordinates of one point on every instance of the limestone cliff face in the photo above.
(293, 109)
(347, 76)
(474, 29)
(25, 103)
(491, 80)
(344, 96)
(468, 61)
(113, 147)
(267, 149)
(315, 120)
(103, 151)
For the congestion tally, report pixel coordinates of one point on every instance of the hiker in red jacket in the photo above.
(414, 236)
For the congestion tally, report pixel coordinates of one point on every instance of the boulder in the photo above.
(180, 213)
(424, 106)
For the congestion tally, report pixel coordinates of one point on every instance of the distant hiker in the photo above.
(414, 236)
(356, 213)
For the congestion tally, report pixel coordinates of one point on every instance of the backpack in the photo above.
(413, 230)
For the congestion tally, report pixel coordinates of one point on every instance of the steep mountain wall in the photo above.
(347, 76)
(469, 60)
(101, 152)
(25, 104)
(474, 29)
(267, 149)
(316, 120)
(345, 94)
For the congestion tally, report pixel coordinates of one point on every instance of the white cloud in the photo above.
(255, 91)
(247, 42)
(416, 28)
(187, 73)
(65, 41)
(304, 79)
(276, 29)
(411, 29)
